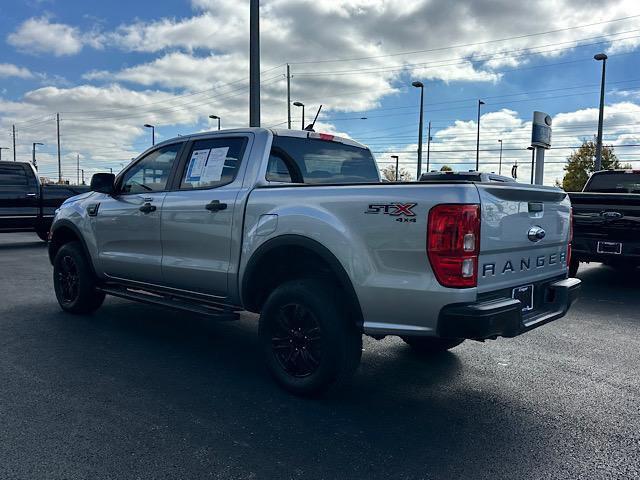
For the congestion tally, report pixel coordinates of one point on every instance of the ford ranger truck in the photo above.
(297, 227)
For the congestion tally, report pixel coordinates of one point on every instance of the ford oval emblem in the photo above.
(536, 234)
(611, 215)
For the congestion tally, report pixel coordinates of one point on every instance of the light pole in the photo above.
(600, 57)
(300, 104)
(533, 161)
(420, 85)
(215, 117)
(500, 163)
(396, 157)
(33, 154)
(480, 102)
(153, 133)
(2, 148)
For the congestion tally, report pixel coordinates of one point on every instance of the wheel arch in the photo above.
(305, 258)
(62, 233)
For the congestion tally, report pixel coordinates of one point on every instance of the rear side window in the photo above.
(320, 162)
(213, 162)
(614, 183)
(13, 176)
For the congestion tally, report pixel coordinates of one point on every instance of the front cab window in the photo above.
(151, 173)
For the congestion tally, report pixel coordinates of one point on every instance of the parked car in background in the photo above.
(25, 204)
(298, 227)
(606, 218)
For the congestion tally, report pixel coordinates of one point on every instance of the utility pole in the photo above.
(77, 169)
(598, 164)
(288, 97)
(480, 102)
(14, 142)
(428, 146)
(82, 170)
(254, 63)
(500, 164)
(59, 161)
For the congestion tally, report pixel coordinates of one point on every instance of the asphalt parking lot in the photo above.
(135, 391)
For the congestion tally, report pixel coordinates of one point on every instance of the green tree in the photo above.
(581, 164)
(446, 168)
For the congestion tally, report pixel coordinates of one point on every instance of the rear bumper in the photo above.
(585, 249)
(502, 317)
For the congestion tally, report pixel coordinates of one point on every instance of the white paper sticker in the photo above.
(212, 170)
(196, 165)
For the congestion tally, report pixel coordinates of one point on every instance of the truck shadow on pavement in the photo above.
(5, 246)
(183, 385)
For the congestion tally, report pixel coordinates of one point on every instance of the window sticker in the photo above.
(196, 165)
(212, 168)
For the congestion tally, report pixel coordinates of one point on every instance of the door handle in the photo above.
(147, 208)
(216, 206)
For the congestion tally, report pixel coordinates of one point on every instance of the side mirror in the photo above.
(103, 183)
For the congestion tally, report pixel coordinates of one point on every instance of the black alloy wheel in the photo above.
(296, 340)
(68, 279)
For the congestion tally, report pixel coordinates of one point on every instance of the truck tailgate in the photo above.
(524, 235)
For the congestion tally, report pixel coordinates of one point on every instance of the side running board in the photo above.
(215, 311)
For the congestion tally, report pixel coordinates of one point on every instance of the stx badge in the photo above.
(393, 209)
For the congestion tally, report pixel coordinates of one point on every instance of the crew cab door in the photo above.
(18, 196)
(198, 216)
(128, 222)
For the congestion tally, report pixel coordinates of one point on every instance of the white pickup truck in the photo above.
(298, 227)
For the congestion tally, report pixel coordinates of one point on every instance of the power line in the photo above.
(504, 39)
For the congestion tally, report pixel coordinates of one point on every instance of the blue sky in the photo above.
(110, 67)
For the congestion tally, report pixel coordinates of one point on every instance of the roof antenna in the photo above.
(309, 128)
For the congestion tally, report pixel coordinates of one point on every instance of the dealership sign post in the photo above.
(541, 141)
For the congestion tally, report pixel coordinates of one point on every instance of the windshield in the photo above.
(305, 160)
(623, 182)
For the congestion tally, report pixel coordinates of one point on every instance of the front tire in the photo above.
(308, 341)
(431, 345)
(74, 281)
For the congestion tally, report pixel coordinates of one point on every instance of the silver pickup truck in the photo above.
(298, 227)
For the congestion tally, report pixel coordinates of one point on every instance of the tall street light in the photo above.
(420, 85)
(533, 161)
(33, 154)
(153, 133)
(396, 157)
(480, 102)
(600, 57)
(2, 148)
(215, 117)
(500, 164)
(300, 104)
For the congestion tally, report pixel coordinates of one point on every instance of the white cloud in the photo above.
(11, 70)
(39, 35)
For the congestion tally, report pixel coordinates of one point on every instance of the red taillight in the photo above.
(453, 244)
(570, 237)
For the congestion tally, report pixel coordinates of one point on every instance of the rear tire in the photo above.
(308, 340)
(43, 235)
(431, 345)
(574, 265)
(74, 281)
